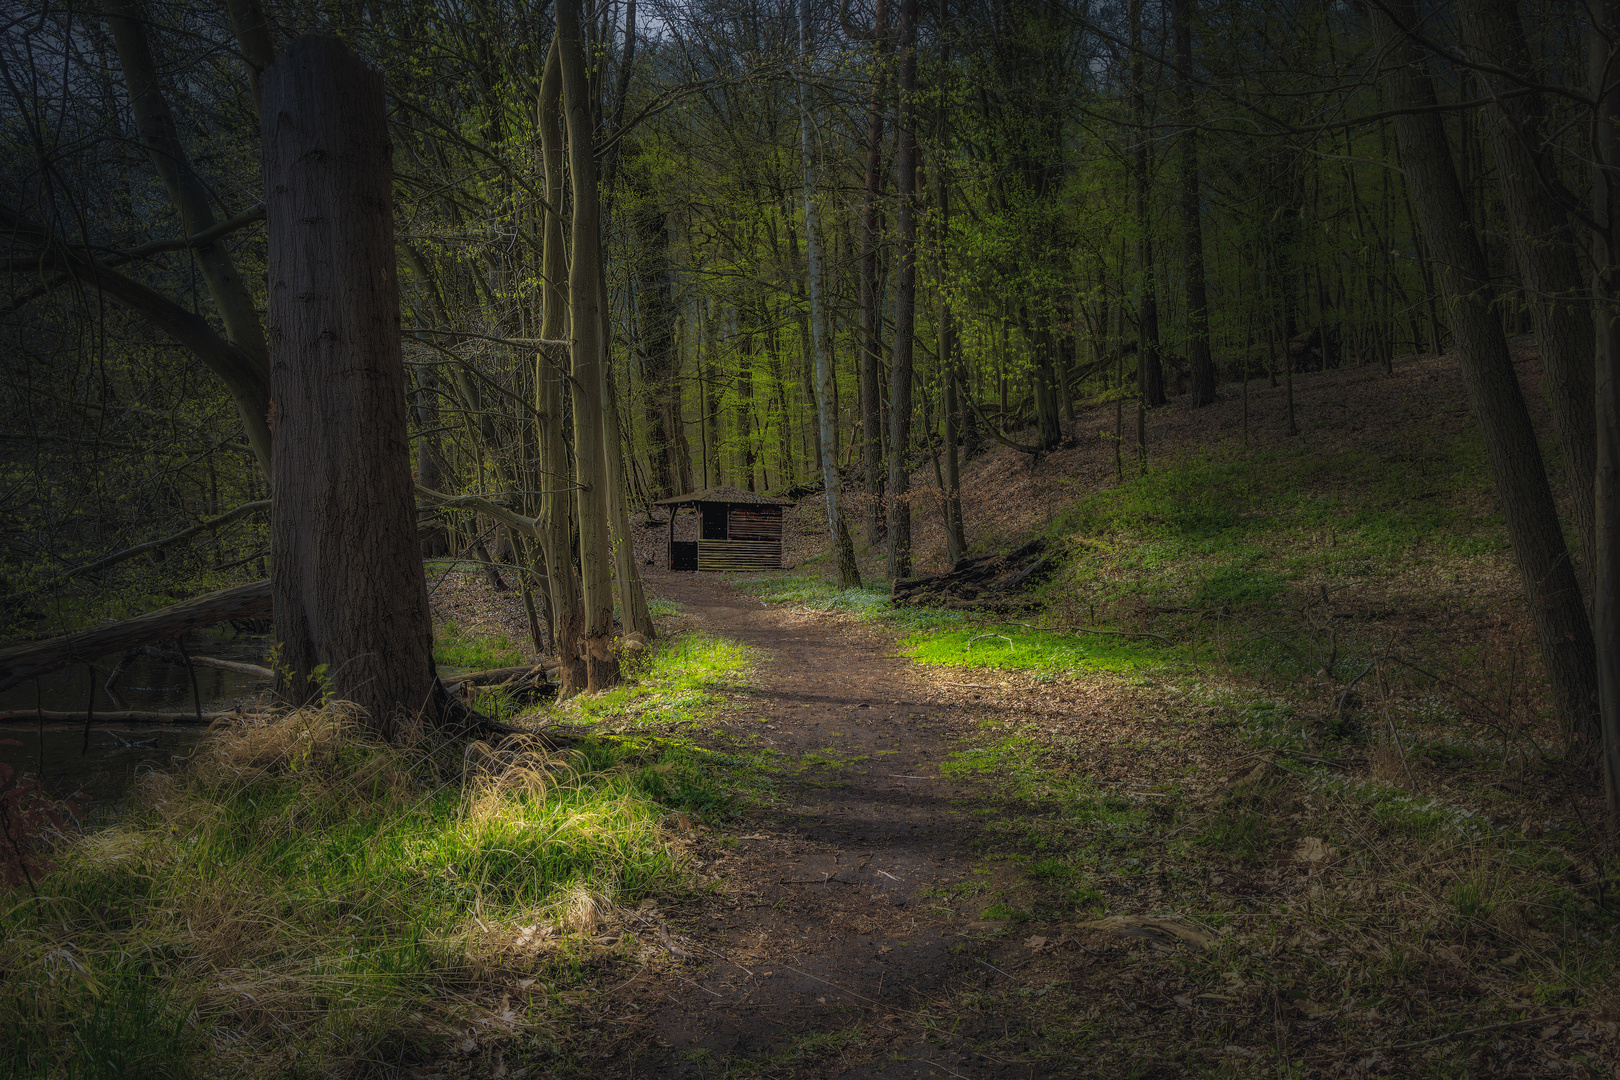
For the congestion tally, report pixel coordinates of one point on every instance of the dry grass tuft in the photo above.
(297, 897)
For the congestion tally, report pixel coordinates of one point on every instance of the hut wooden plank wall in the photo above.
(738, 530)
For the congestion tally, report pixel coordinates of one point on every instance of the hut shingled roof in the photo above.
(723, 495)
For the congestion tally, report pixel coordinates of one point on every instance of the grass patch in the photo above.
(1222, 530)
(299, 897)
(680, 680)
(1021, 649)
(456, 649)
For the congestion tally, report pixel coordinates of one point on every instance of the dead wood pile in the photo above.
(984, 581)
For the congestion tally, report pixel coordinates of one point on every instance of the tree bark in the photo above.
(955, 538)
(585, 323)
(905, 303)
(1198, 358)
(551, 373)
(1544, 242)
(633, 611)
(871, 296)
(849, 574)
(1149, 366)
(351, 605)
(655, 310)
(1605, 86)
(1048, 428)
(1551, 590)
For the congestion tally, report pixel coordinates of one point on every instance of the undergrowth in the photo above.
(300, 899)
(460, 650)
(1398, 838)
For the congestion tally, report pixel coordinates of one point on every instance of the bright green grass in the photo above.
(1045, 651)
(457, 649)
(1222, 529)
(948, 638)
(681, 680)
(669, 695)
(866, 604)
(300, 884)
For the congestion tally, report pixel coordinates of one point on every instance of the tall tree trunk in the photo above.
(155, 125)
(557, 502)
(1149, 366)
(633, 610)
(871, 295)
(1198, 358)
(656, 324)
(350, 595)
(955, 538)
(1493, 387)
(252, 32)
(1544, 244)
(585, 327)
(849, 575)
(1048, 429)
(905, 303)
(1605, 86)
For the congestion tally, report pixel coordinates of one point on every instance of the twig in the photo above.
(992, 967)
(1399, 749)
(699, 944)
(1523, 1021)
(1094, 630)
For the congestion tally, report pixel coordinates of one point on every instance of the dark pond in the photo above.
(118, 752)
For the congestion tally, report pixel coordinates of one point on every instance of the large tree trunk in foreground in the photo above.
(351, 604)
(905, 298)
(557, 502)
(585, 324)
(1544, 243)
(1606, 495)
(1520, 476)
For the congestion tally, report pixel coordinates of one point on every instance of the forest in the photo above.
(808, 538)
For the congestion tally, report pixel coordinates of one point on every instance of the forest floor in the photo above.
(1296, 809)
(937, 872)
(1259, 782)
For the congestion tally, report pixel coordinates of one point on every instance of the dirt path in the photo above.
(830, 943)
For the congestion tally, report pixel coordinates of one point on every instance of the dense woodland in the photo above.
(312, 306)
(844, 244)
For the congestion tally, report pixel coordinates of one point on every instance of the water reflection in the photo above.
(56, 754)
(117, 753)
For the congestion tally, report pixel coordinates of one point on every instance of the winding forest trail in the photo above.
(833, 944)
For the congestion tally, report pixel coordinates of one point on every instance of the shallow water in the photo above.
(117, 753)
(104, 770)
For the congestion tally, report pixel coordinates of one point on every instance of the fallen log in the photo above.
(28, 659)
(119, 716)
(492, 676)
(979, 580)
(258, 671)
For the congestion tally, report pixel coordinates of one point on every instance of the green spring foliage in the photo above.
(299, 897)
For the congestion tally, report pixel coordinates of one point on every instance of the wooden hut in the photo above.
(737, 530)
